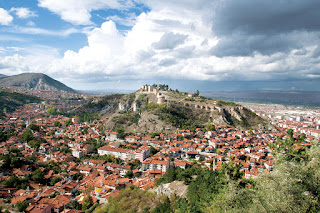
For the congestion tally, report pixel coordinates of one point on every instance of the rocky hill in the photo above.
(160, 109)
(33, 81)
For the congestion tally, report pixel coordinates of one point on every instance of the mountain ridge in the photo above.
(34, 81)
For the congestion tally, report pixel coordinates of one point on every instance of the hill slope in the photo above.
(34, 81)
(165, 110)
(9, 101)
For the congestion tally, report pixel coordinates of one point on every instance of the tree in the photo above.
(294, 187)
(197, 93)
(152, 151)
(35, 144)
(210, 127)
(37, 175)
(290, 134)
(27, 136)
(57, 124)
(163, 207)
(68, 122)
(34, 127)
(76, 205)
(121, 132)
(55, 180)
(22, 205)
(52, 111)
(129, 174)
(87, 202)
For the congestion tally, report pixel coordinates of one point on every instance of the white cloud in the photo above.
(78, 12)
(173, 41)
(31, 23)
(41, 31)
(129, 19)
(5, 17)
(23, 13)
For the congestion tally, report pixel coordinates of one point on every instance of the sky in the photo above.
(189, 44)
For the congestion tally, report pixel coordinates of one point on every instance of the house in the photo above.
(117, 152)
(85, 170)
(150, 164)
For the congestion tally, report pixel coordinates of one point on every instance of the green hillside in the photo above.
(9, 101)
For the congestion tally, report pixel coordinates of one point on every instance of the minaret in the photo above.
(214, 164)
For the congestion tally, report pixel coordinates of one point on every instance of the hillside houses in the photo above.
(84, 159)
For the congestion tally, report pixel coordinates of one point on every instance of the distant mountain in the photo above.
(2, 76)
(34, 81)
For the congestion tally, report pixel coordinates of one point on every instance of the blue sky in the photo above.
(122, 44)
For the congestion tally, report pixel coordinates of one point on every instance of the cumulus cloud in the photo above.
(5, 17)
(78, 12)
(222, 40)
(23, 13)
(170, 41)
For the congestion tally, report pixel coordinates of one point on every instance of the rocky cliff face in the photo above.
(140, 113)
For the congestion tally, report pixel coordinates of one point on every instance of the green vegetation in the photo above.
(127, 118)
(14, 160)
(87, 202)
(51, 165)
(21, 206)
(16, 182)
(34, 127)
(107, 158)
(35, 144)
(91, 109)
(68, 122)
(4, 135)
(293, 188)
(57, 124)
(129, 174)
(52, 111)
(222, 103)
(152, 151)
(37, 176)
(27, 136)
(9, 101)
(210, 127)
(55, 180)
(130, 200)
(179, 116)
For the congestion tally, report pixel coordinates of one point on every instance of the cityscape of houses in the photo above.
(93, 161)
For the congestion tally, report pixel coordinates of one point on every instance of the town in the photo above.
(53, 163)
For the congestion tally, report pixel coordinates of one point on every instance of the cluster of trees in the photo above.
(14, 160)
(107, 158)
